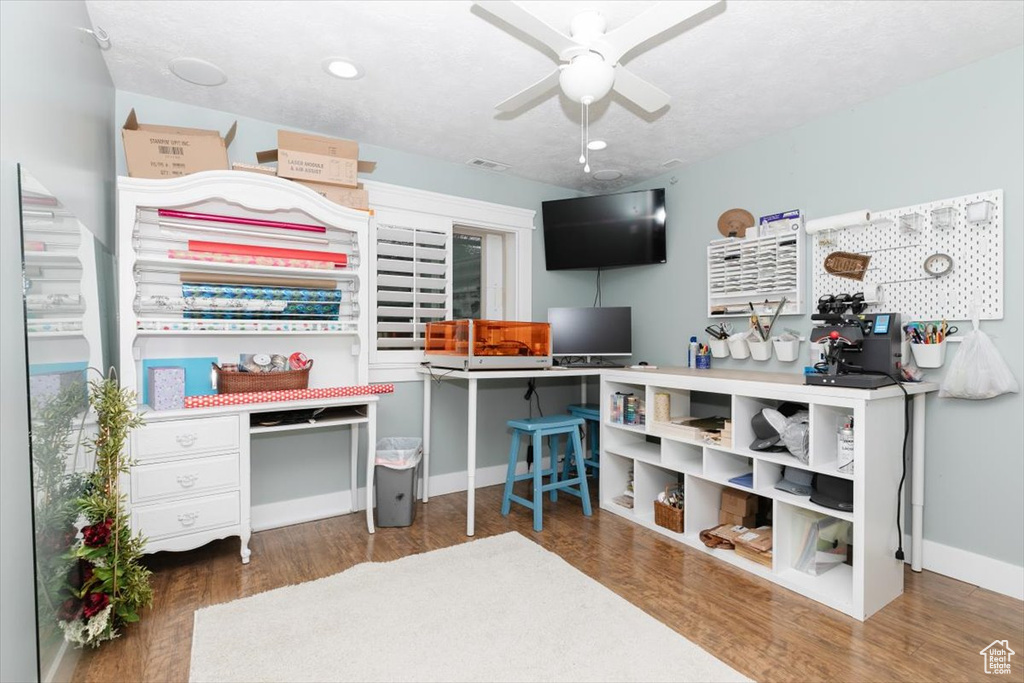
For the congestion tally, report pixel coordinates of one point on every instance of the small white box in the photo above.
(167, 387)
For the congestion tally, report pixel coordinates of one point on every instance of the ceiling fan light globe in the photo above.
(588, 76)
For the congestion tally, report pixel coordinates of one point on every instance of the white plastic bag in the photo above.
(977, 370)
(399, 452)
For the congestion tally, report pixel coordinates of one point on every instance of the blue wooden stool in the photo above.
(537, 428)
(590, 412)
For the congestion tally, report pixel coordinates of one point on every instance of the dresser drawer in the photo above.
(190, 477)
(184, 437)
(186, 516)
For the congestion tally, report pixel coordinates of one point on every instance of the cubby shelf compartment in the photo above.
(874, 578)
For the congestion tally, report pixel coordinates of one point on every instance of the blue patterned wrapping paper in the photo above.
(303, 304)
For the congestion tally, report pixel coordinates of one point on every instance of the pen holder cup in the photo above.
(704, 361)
(929, 355)
(761, 350)
(719, 347)
(739, 349)
(786, 350)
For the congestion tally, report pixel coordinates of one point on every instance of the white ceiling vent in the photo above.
(672, 163)
(496, 166)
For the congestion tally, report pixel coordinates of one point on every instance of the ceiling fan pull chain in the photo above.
(583, 140)
(586, 137)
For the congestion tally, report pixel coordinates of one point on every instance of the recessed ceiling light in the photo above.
(197, 71)
(597, 145)
(343, 68)
(607, 174)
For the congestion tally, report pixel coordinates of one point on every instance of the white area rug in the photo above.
(495, 609)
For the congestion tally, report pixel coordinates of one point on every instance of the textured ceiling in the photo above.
(435, 70)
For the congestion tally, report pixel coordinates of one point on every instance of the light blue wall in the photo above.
(56, 111)
(309, 464)
(958, 133)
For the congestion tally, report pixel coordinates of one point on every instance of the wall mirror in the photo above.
(69, 316)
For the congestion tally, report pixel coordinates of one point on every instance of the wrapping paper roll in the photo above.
(839, 221)
(285, 395)
(250, 260)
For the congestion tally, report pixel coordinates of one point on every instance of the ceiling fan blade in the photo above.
(657, 19)
(518, 17)
(649, 97)
(545, 84)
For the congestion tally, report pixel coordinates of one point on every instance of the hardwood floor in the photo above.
(933, 632)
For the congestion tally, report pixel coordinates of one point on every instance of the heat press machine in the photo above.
(862, 350)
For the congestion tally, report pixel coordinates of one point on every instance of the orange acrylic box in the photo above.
(488, 344)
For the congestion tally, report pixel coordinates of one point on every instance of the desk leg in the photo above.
(471, 460)
(583, 390)
(917, 489)
(427, 388)
(371, 454)
(353, 466)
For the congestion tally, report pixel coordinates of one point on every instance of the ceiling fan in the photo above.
(591, 54)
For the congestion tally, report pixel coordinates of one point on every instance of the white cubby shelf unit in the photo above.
(153, 321)
(658, 457)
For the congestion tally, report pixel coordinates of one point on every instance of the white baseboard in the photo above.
(312, 508)
(963, 565)
(299, 510)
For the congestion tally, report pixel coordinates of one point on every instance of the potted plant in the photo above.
(108, 585)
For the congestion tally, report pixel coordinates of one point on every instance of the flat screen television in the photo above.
(624, 229)
(606, 331)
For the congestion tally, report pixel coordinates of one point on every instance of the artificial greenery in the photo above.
(55, 435)
(111, 585)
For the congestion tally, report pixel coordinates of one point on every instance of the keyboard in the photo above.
(592, 364)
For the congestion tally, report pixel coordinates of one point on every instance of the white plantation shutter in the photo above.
(413, 282)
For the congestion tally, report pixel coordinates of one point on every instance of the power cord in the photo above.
(531, 393)
(597, 294)
(900, 555)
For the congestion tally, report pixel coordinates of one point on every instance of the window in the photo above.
(413, 284)
(436, 257)
(479, 261)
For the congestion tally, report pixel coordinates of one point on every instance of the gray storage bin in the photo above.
(395, 474)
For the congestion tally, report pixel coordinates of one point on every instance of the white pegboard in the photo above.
(897, 261)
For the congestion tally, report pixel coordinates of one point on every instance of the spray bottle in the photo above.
(691, 353)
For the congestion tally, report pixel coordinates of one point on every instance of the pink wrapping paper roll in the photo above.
(249, 260)
(246, 398)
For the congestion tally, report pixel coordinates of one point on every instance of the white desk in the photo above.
(473, 377)
(190, 480)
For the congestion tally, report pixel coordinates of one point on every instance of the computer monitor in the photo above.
(591, 331)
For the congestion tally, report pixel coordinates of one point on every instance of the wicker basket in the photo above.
(229, 382)
(667, 516)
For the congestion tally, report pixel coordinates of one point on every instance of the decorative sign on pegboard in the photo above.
(928, 261)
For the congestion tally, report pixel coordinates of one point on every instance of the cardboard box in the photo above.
(739, 503)
(169, 151)
(760, 539)
(352, 197)
(254, 168)
(301, 156)
(726, 517)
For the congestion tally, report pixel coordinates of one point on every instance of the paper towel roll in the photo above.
(838, 222)
(662, 407)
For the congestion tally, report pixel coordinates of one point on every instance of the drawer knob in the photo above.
(186, 440)
(187, 480)
(188, 518)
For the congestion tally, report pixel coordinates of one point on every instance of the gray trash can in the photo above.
(397, 464)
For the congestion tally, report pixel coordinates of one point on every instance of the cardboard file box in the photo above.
(169, 151)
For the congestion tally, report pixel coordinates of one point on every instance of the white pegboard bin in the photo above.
(898, 255)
